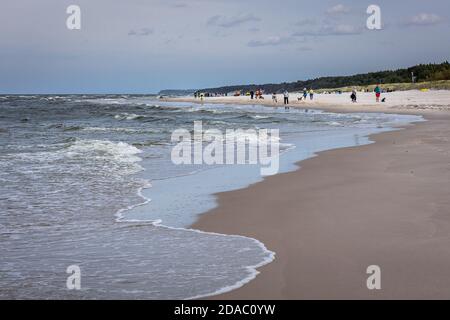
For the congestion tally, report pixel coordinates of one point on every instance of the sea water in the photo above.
(87, 180)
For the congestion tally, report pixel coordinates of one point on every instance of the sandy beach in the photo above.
(384, 204)
(400, 102)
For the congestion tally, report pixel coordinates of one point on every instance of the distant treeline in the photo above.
(422, 72)
(176, 92)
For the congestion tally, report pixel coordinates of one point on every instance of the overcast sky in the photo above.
(143, 46)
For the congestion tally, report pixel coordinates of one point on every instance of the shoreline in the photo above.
(302, 236)
(402, 102)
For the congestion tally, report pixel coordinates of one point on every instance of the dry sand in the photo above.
(401, 102)
(385, 204)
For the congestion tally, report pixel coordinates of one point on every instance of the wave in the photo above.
(334, 124)
(128, 116)
(119, 151)
(73, 128)
(251, 270)
(168, 108)
(117, 129)
(117, 158)
(252, 117)
(144, 118)
(151, 143)
(260, 117)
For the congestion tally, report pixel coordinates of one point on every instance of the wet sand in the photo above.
(385, 204)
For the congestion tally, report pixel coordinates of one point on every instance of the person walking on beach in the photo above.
(311, 94)
(377, 92)
(286, 100)
(353, 96)
(252, 94)
(274, 98)
(286, 97)
(305, 94)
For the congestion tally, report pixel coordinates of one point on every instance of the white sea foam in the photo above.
(127, 116)
(260, 117)
(119, 151)
(251, 269)
(115, 157)
(128, 130)
(335, 124)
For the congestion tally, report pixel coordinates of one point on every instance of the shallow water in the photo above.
(88, 181)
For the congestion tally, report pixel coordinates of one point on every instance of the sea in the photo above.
(88, 181)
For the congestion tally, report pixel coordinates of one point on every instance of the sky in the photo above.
(143, 46)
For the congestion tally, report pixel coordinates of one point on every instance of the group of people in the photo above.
(201, 95)
(258, 94)
(306, 92)
(310, 92)
(377, 91)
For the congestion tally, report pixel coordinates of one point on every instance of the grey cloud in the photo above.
(338, 10)
(424, 19)
(228, 22)
(141, 32)
(306, 22)
(305, 49)
(342, 29)
(331, 30)
(270, 41)
(180, 5)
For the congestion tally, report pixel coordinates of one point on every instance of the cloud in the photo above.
(254, 30)
(338, 10)
(341, 29)
(179, 5)
(270, 41)
(331, 30)
(306, 22)
(143, 32)
(304, 49)
(424, 19)
(228, 22)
